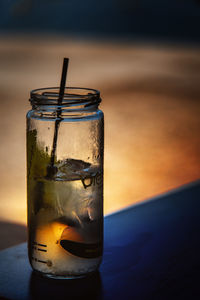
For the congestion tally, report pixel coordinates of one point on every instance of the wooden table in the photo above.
(152, 251)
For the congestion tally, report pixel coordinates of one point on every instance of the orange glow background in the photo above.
(151, 104)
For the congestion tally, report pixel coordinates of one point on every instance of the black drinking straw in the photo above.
(63, 80)
(51, 170)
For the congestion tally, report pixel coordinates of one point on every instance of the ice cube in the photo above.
(76, 164)
(72, 169)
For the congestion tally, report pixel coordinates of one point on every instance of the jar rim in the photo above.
(72, 96)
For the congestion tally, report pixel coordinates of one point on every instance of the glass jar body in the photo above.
(65, 207)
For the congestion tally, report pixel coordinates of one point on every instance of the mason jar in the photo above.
(65, 144)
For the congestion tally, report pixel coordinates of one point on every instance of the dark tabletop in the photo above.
(151, 251)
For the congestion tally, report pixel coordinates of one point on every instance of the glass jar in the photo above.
(65, 182)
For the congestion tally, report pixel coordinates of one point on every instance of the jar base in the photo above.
(64, 277)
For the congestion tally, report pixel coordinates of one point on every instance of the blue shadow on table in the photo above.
(152, 249)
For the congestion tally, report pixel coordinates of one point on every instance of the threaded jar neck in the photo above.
(74, 99)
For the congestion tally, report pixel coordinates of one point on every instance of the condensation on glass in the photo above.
(65, 182)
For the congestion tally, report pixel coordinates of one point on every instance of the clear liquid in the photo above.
(66, 221)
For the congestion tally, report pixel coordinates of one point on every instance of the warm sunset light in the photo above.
(151, 115)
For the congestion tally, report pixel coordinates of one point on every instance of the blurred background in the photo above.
(144, 57)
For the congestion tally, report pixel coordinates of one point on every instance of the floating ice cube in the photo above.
(72, 169)
(76, 164)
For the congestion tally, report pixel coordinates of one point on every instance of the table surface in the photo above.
(151, 251)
